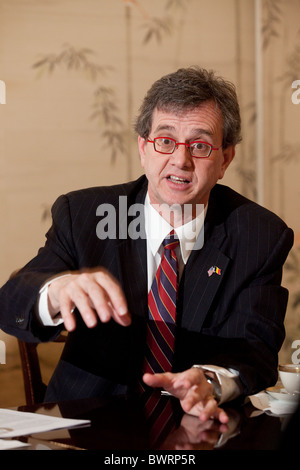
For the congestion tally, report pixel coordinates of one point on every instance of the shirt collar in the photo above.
(157, 228)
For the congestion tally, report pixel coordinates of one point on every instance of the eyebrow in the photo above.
(196, 132)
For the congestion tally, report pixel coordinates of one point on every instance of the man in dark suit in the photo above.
(96, 268)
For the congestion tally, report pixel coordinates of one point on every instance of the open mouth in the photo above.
(177, 179)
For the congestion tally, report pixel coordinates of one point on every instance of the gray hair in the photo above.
(187, 89)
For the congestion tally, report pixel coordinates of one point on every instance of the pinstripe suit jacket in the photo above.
(233, 320)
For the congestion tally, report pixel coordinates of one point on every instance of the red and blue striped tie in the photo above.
(162, 311)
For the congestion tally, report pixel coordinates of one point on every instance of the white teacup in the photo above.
(290, 377)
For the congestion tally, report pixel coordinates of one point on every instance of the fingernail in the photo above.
(123, 311)
(69, 325)
(91, 321)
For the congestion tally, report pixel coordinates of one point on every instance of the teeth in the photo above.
(176, 179)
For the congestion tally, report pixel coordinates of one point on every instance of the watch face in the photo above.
(213, 380)
(216, 387)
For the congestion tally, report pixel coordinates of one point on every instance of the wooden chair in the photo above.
(34, 386)
(33, 383)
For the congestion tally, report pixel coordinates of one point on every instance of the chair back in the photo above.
(34, 386)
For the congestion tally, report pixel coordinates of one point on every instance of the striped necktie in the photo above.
(160, 418)
(162, 311)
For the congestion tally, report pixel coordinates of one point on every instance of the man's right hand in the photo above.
(95, 293)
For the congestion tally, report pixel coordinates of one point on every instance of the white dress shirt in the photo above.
(157, 229)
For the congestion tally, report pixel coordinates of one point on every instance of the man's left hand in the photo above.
(193, 391)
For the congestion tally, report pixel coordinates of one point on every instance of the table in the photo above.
(121, 423)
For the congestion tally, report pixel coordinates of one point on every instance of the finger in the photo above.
(221, 416)
(209, 409)
(178, 384)
(123, 319)
(212, 411)
(163, 380)
(153, 380)
(189, 380)
(115, 296)
(192, 401)
(67, 313)
(198, 400)
(99, 301)
(210, 437)
(78, 297)
(92, 299)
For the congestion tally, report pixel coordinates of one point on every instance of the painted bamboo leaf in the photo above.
(157, 28)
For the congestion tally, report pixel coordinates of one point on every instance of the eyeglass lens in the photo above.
(197, 149)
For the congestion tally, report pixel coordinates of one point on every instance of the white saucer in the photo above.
(281, 394)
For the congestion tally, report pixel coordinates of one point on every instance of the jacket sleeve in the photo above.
(19, 295)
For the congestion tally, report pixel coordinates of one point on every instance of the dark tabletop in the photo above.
(122, 423)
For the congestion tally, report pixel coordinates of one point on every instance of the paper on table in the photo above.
(9, 445)
(17, 423)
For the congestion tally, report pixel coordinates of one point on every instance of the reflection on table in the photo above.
(124, 423)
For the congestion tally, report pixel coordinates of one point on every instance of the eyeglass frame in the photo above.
(182, 143)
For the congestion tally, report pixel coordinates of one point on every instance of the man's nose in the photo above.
(182, 156)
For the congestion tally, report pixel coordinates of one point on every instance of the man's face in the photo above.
(179, 178)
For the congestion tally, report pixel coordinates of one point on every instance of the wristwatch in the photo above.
(213, 380)
(216, 386)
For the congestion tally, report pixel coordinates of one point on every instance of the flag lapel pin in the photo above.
(214, 269)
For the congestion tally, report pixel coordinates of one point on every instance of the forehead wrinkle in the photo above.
(199, 123)
(164, 127)
(201, 131)
(196, 132)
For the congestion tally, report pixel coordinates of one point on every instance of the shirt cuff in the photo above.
(42, 309)
(228, 379)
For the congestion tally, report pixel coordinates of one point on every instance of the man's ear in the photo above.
(228, 156)
(141, 145)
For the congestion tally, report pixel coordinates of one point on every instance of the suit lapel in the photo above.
(133, 268)
(204, 272)
(199, 286)
(132, 258)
